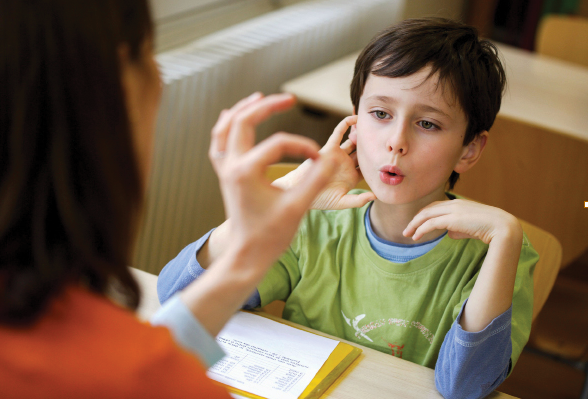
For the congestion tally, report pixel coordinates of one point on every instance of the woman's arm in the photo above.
(263, 218)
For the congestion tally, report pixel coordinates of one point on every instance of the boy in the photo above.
(417, 273)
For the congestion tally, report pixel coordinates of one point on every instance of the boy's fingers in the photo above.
(339, 131)
(367, 197)
(242, 130)
(348, 146)
(436, 223)
(433, 210)
(356, 200)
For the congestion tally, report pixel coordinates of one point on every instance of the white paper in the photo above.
(268, 358)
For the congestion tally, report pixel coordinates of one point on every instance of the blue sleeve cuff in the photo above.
(181, 271)
(187, 331)
(253, 302)
(470, 339)
(473, 364)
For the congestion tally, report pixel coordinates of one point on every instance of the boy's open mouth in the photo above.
(391, 170)
(391, 175)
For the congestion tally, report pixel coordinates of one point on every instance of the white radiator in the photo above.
(212, 73)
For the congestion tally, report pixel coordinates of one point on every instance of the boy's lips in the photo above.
(391, 175)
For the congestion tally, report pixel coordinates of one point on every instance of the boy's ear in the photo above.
(353, 132)
(472, 153)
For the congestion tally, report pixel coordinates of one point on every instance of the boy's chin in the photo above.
(390, 198)
(398, 196)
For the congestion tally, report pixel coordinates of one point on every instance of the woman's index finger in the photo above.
(242, 132)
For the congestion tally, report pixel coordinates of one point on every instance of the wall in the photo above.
(442, 8)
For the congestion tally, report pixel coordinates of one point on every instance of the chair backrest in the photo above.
(546, 245)
(564, 37)
(549, 250)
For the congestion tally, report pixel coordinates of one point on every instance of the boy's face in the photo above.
(409, 137)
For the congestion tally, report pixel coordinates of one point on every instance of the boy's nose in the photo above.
(400, 150)
(397, 141)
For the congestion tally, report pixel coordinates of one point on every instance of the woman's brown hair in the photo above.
(70, 188)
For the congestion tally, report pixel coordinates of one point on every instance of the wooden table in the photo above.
(373, 375)
(535, 164)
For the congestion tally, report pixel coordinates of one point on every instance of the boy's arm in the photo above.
(214, 246)
(180, 271)
(478, 352)
(493, 291)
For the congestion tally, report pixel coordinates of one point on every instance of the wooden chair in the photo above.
(547, 267)
(548, 247)
(564, 37)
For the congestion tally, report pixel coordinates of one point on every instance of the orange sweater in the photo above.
(87, 347)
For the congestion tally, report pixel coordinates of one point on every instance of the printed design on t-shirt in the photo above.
(354, 323)
(361, 331)
(396, 349)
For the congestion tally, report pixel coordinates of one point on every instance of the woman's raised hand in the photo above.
(263, 217)
(345, 176)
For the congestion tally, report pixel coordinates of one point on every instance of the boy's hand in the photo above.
(493, 291)
(464, 219)
(344, 178)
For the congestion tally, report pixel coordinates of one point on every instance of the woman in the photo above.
(79, 90)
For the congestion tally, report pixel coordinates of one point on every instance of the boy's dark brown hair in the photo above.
(468, 66)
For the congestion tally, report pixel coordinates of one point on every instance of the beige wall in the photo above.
(443, 8)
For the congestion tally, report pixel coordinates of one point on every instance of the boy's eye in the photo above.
(427, 125)
(380, 114)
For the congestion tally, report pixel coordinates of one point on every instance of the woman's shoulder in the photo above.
(88, 346)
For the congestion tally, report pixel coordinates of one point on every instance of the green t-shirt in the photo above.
(333, 281)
